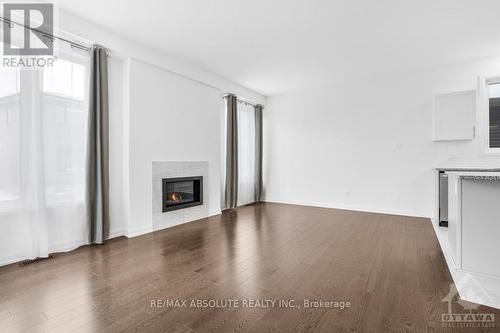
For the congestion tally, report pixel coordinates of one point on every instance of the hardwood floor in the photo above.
(390, 268)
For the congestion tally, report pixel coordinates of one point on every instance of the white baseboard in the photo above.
(117, 233)
(215, 212)
(149, 229)
(210, 214)
(139, 231)
(351, 207)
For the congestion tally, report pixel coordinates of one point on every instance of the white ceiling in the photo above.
(276, 46)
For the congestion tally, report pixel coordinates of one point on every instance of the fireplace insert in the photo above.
(184, 192)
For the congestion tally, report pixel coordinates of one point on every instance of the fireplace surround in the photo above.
(173, 169)
(181, 192)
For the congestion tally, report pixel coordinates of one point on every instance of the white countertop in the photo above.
(470, 169)
(476, 175)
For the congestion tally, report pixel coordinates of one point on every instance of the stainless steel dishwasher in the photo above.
(443, 199)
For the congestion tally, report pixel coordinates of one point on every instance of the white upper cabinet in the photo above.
(455, 116)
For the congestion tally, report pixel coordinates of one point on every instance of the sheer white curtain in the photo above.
(43, 135)
(246, 153)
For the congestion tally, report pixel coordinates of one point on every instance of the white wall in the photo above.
(132, 125)
(123, 48)
(127, 87)
(118, 221)
(367, 144)
(172, 118)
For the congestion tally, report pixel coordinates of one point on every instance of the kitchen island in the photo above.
(471, 243)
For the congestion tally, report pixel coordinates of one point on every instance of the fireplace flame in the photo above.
(174, 197)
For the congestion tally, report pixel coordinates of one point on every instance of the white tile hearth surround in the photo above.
(171, 170)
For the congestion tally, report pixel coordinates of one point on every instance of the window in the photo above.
(247, 164)
(65, 79)
(64, 124)
(494, 115)
(43, 125)
(246, 153)
(9, 134)
(43, 138)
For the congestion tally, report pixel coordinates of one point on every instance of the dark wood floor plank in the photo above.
(390, 268)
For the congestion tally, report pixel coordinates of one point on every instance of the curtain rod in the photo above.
(11, 24)
(243, 99)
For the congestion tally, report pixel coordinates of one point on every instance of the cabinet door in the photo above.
(481, 226)
(455, 116)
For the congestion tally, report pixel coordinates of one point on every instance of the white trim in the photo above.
(485, 98)
(162, 68)
(218, 212)
(214, 213)
(173, 225)
(116, 233)
(150, 229)
(139, 231)
(491, 151)
(243, 100)
(492, 79)
(351, 207)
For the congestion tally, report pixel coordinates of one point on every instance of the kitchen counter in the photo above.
(470, 169)
(471, 244)
(477, 175)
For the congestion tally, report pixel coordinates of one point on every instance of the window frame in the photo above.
(488, 81)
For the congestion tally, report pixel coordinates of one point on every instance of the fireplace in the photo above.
(184, 192)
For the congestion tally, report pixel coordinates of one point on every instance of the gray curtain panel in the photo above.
(98, 148)
(258, 152)
(231, 191)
